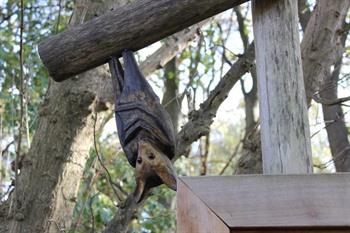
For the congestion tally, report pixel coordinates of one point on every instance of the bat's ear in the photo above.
(130, 64)
(116, 68)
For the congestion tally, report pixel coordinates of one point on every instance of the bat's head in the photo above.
(153, 168)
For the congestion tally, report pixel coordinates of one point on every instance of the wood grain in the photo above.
(285, 136)
(193, 216)
(273, 201)
(133, 26)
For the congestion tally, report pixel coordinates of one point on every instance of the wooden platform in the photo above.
(316, 203)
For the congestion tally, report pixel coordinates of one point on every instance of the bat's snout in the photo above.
(152, 169)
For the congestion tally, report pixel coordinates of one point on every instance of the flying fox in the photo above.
(145, 130)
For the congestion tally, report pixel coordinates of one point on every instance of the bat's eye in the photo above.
(139, 160)
(151, 156)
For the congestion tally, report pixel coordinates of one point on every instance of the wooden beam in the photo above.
(266, 203)
(133, 26)
(285, 137)
(194, 216)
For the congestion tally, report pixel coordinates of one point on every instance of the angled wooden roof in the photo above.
(273, 201)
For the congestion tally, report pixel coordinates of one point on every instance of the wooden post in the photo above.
(285, 133)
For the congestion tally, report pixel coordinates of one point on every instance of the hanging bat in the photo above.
(144, 127)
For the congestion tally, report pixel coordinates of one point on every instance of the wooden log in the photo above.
(312, 203)
(133, 26)
(285, 137)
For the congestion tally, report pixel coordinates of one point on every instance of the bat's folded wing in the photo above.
(134, 117)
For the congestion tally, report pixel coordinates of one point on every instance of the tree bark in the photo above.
(172, 45)
(48, 183)
(334, 117)
(285, 137)
(251, 97)
(336, 129)
(134, 26)
(170, 98)
(200, 120)
(49, 179)
(251, 159)
(321, 42)
(304, 13)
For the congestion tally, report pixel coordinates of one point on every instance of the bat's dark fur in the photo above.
(139, 114)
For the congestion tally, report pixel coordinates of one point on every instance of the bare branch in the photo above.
(304, 13)
(201, 119)
(233, 155)
(331, 102)
(173, 44)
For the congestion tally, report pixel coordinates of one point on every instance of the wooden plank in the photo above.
(285, 136)
(133, 26)
(282, 201)
(193, 216)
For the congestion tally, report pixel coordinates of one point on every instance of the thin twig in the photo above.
(92, 213)
(2, 197)
(4, 151)
(332, 102)
(21, 95)
(235, 152)
(59, 15)
(328, 123)
(109, 178)
(332, 160)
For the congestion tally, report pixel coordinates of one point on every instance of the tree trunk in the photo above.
(336, 129)
(170, 98)
(250, 98)
(321, 42)
(322, 46)
(49, 179)
(285, 137)
(334, 118)
(47, 187)
(304, 13)
(251, 161)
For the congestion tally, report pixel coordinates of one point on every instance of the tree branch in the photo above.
(304, 13)
(201, 119)
(172, 45)
(320, 47)
(331, 102)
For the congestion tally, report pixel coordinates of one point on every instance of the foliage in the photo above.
(40, 20)
(200, 68)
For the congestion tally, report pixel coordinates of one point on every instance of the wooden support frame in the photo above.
(317, 203)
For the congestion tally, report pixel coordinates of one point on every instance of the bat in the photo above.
(145, 130)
